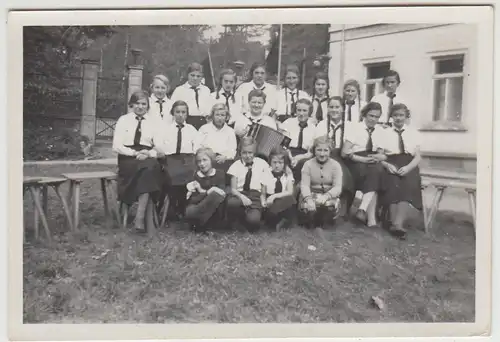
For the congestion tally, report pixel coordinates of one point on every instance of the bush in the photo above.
(44, 142)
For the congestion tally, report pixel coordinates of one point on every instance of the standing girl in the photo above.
(160, 103)
(258, 82)
(352, 101)
(195, 94)
(388, 98)
(180, 142)
(206, 193)
(225, 93)
(401, 182)
(140, 174)
(321, 92)
(288, 96)
(249, 178)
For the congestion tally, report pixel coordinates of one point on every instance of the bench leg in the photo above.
(472, 203)
(114, 201)
(76, 204)
(105, 200)
(67, 210)
(70, 195)
(166, 204)
(150, 219)
(35, 193)
(124, 210)
(438, 196)
(425, 209)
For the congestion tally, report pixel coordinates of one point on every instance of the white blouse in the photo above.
(125, 132)
(235, 108)
(390, 140)
(355, 110)
(246, 120)
(221, 141)
(164, 113)
(190, 141)
(384, 100)
(292, 128)
(357, 134)
(270, 90)
(188, 95)
(261, 174)
(284, 100)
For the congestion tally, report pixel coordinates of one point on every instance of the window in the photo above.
(447, 88)
(374, 74)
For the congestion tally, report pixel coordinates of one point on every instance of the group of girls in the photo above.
(339, 145)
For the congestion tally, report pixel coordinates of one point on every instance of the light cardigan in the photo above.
(321, 178)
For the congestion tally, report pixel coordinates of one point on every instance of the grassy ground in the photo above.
(110, 275)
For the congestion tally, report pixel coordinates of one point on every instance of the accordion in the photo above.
(267, 139)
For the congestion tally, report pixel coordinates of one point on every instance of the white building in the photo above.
(437, 64)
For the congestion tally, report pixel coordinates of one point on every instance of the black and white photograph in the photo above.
(237, 171)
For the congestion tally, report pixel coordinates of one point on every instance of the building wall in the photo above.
(410, 49)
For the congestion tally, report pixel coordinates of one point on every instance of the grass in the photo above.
(109, 275)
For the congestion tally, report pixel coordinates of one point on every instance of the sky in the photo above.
(217, 29)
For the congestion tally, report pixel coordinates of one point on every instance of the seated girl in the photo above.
(140, 175)
(218, 136)
(180, 142)
(361, 142)
(256, 103)
(249, 177)
(206, 193)
(401, 182)
(280, 204)
(320, 187)
(334, 128)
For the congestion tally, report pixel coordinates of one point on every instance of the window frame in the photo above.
(373, 81)
(443, 124)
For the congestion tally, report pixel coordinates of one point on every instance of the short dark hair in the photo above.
(391, 73)
(400, 106)
(370, 106)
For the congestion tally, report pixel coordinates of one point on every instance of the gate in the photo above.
(110, 105)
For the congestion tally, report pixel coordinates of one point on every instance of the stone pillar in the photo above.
(134, 74)
(90, 74)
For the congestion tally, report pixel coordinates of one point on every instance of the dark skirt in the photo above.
(137, 177)
(366, 177)
(180, 168)
(347, 179)
(395, 189)
(202, 207)
(282, 204)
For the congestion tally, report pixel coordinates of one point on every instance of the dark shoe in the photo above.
(361, 216)
(398, 232)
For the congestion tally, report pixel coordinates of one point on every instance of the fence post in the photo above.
(90, 74)
(134, 74)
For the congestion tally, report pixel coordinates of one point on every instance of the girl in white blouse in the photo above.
(389, 97)
(219, 137)
(160, 103)
(140, 175)
(352, 101)
(360, 149)
(258, 76)
(257, 100)
(195, 94)
(180, 142)
(401, 183)
(288, 96)
(225, 94)
(321, 92)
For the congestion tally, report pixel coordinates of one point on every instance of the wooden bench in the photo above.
(55, 183)
(106, 178)
(441, 185)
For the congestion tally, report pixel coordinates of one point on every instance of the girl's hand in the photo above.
(391, 168)
(270, 200)
(220, 159)
(246, 201)
(142, 156)
(294, 161)
(403, 170)
(310, 205)
(160, 154)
